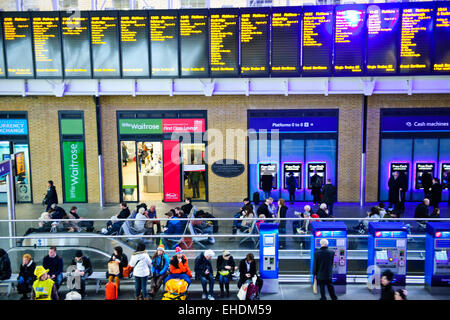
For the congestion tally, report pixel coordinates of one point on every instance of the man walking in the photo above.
(329, 196)
(323, 269)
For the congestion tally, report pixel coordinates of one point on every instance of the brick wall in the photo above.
(375, 103)
(45, 159)
(230, 112)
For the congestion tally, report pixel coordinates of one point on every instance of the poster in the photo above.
(74, 171)
(171, 171)
(296, 169)
(321, 170)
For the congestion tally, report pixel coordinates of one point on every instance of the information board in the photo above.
(194, 43)
(17, 30)
(416, 37)
(76, 36)
(2, 53)
(349, 40)
(164, 43)
(441, 64)
(285, 41)
(317, 40)
(383, 23)
(47, 44)
(105, 44)
(254, 42)
(134, 44)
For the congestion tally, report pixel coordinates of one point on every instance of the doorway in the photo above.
(194, 170)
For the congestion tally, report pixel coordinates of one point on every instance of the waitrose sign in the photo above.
(74, 171)
(140, 126)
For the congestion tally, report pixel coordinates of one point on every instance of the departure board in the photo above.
(317, 40)
(416, 37)
(134, 44)
(441, 62)
(2, 53)
(383, 21)
(194, 43)
(17, 30)
(76, 38)
(254, 42)
(47, 44)
(105, 44)
(349, 40)
(164, 43)
(285, 59)
(224, 39)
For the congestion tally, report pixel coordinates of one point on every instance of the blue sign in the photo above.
(4, 168)
(390, 234)
(13, 127)
(439, 123)
(304, 124)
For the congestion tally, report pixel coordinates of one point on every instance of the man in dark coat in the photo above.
(264, 209)
(204, 273)
(266, 184)
(403, 180)
(5, 265)
(84, 269)
(247, 270)
(436, 193)
(323, 269)
(316, 186)
(55, 264)
(195, 181)
(427, 182)
(291, 183)
(387, 292)
(187, 207)
(51, 197)
(329, 196)
(422, 212)
(394, 185)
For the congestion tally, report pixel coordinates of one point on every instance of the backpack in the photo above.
(111, 291)
(73, 295)
(256, 199)
(127, 271)
(176, 289)
(252, 292)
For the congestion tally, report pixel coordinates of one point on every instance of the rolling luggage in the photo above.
(111, 291)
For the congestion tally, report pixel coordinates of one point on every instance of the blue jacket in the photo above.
(158, 262)
(174, 226)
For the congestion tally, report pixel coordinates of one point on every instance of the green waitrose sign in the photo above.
(140, 126)
(74, 171)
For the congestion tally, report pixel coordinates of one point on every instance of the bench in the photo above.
(10, 282)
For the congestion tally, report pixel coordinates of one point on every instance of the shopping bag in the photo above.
(242, 294)
(315, 286)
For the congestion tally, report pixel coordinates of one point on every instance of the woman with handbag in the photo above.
(142, 266)
(225, 270)
(116, 263)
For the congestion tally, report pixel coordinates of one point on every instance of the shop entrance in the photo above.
(194, 170)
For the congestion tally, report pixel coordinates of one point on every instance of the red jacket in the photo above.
(180, 267)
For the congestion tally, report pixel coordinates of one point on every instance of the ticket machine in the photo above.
(437, 257)
(387, 250)
(336, 234)
(268, 256)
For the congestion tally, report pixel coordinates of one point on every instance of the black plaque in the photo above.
(17, 30)
(47, 44)
(105, 44)
(227, 168)
(76, 43)
(164, 43)
(134, 44)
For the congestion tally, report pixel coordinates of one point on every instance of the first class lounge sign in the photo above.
(159, 126)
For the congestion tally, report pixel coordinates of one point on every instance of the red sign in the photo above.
(171, 171)
(183, 125)
(438, 234)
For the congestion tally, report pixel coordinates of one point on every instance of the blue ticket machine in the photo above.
(336, 234)
(387, 250)
(268, 256)
(437, 257)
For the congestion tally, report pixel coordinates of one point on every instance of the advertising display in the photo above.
(159, 126)
(296, 169)
(320, 168)
(171, 171)
(445, 175)
(13, 127)
(268, 169)
(20, 163)
(420, 169)
(74, 171)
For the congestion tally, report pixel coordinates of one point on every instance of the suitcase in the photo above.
(111, 291)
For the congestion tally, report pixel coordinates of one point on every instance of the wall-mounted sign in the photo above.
(13, 127)
(300, 124)
(420, 169)
(439, 123)
(294, 168)
(171, 171)
(267, 172)
(159, 126)
(4, 168)
(74, 171)
(227, 168)
(445, 175)
(317, 167)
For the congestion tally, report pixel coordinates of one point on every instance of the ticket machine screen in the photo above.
(391, 254)
(442, 262)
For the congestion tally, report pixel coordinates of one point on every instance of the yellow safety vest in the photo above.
(43, 289)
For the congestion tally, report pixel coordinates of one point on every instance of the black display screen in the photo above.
(17, 30)
(2, 53)
(349, 40)
(416, 37)
(224, 37)
(164, 43)
(442, 39)
(317, 40)
(105, 44)
(254, 41)
(383, 22)
(194, 49)
(134, 44)
(76, 44)
(47, 44)
(285, 41)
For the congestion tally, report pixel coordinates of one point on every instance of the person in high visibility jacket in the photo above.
(43, 288)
